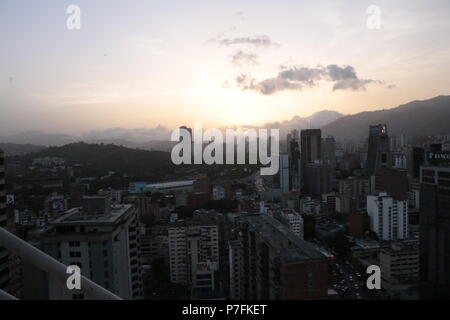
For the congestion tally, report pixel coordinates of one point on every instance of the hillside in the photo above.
(14, 149)
(101, 158)
(417, 118)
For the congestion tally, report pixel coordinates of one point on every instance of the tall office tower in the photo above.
(102, 240)
(277, 264)
(311, 140)
(435, 232)
(311, 151)
(4, 260)
(317, 179)
(388, 217)
(418, 159)
(294, 160)
(284, 173)
(235, 263)
(329, 151)
(194, 254)
(378, 152)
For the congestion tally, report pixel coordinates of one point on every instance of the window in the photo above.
(75, 254)
(74, 243)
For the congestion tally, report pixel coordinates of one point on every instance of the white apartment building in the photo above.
(388, 217)
(194, 253)
(103, 241)
(294, 221)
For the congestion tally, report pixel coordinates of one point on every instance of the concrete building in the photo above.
(378, 152)
(276, 264)
(294, 221)
(399, 264)
(194, 254)
(329, 151)
(388, 217)
(102, 240)
(318, 178)
(284, 173)
(235, 263)
(353, 191)
(310, 147)
(435, 232)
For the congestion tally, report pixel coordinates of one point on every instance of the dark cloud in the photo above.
(257, 41)
(299, 78)
(241, 58)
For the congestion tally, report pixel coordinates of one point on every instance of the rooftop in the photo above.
(78, 216)
(281, 239)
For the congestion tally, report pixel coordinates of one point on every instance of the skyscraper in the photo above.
(329, 151)
(293, 149)
(311, 140)
(435, 232)
(378, 152)
(311, 151)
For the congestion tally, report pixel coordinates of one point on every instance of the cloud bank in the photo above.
(300, 78)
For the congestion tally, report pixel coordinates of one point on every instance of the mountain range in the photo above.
(416, 118)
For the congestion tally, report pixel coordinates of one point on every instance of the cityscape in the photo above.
(316, 183)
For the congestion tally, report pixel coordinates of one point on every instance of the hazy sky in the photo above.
(137, 64)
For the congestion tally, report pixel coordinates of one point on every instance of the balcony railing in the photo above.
(51, 266)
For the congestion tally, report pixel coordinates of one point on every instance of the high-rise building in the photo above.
(277, 264)
(4, 260)
(293, 151)
(388, 216)
(417, 159)
(378, 152)
(310, 146)
(194, 254)
(352, 193)
(102, 240)
(284, 173)
(317, 179)
(393, 181)
(435, 232)
(235, 263)
(329, 151)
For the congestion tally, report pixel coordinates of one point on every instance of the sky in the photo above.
(140, 64)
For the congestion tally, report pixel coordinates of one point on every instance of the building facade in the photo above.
(102, 240)
(388, 217)
(435, 232)
(276, 264)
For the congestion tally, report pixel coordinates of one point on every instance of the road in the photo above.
(349, 282)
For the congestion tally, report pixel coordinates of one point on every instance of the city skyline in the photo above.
(146, 64)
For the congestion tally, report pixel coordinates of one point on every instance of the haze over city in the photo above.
(142, 64)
